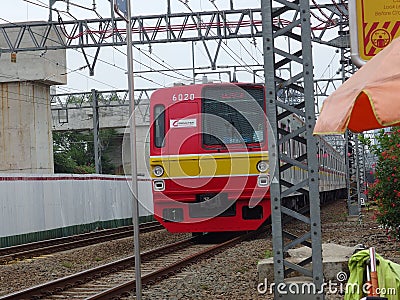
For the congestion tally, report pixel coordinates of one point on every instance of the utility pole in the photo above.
(124, 10)
(132, 135)
(96, 131)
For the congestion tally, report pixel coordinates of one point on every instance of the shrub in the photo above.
(385, 191)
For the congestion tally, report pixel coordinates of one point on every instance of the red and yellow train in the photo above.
(209, 158)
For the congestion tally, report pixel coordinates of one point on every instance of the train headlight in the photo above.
(262, 166)
(158, 171)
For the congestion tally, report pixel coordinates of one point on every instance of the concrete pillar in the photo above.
(26, 144)
(25, 128)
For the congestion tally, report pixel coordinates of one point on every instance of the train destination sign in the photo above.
(373, 25)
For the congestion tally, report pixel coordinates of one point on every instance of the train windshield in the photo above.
(233, 115)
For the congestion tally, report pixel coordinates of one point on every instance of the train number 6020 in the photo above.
(182, 97)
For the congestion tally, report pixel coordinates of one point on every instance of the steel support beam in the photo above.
(297, 57)
(152, 29)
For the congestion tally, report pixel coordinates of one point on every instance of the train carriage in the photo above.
(209, 157)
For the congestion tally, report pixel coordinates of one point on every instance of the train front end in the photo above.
(209, 158)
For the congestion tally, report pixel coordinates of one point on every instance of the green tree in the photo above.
(385, 191)
(74, 152)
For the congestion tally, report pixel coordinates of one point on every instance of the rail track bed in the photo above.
(61, 244)
(117, 278)
(231, 274)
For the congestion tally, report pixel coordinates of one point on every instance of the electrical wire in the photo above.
(149, 67)
(163, 63)
(216, 7)
(321, 11)
(64, 31)
(68, 89)
(329, 64)
(66, 34)
(185, 2)
(339, 9)
(44, 5)
(40, 5)
(81, 6)
(30, 82)
(77, 70)
(150, 80)
(344, 4)
(249, 70)
(9, 92)
(9, 22)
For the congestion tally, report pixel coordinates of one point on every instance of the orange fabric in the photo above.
(370, 99)
(363, 117)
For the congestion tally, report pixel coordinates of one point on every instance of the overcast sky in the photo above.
(110, 70)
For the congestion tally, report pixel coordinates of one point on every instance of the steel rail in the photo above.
(153, 277)
(66, 243)
(61, 284)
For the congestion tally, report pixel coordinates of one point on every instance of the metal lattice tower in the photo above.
(353, 157)
(299, 33)
(353, 173)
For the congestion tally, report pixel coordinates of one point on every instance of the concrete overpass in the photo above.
(76, 112)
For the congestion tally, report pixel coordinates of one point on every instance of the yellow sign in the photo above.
(378, 23)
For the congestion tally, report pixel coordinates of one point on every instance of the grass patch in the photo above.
(268, 254)
(67, 264)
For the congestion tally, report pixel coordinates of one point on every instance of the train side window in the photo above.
(159, 126)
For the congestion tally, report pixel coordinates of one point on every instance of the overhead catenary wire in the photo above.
(224, 46)
(165, 74)
(152, 69)
(339, 9)
(37, 4)
(329, 64)
(321, 11)
(91, 78)
(162, 63)
(248, 69)
(68, 3)
(216, 7)
(328, 20)
(26, 81)
(44, 5)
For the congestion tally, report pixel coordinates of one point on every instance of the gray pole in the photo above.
(96, 129)
(168, 7)
(193, 64)
(132, 135)
(358, 177)
(50, 11)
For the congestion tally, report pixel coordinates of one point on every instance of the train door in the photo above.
(183, 138)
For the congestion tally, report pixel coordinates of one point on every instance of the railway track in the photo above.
(116, 279)
(61, 244)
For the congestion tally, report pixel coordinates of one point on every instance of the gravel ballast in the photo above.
(19, 275)
(228, 275)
